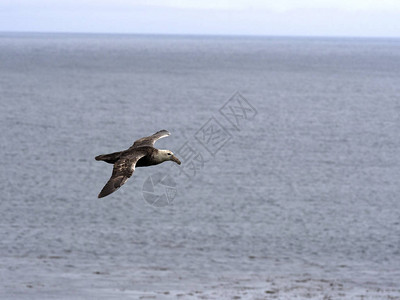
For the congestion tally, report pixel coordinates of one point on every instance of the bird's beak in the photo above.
(175, 159)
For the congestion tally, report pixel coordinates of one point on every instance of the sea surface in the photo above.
(289, 184)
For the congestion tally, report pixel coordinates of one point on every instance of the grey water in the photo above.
(308, 185)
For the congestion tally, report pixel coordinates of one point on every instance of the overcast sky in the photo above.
(377, 18)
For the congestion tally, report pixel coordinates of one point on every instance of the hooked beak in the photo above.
(175, 159)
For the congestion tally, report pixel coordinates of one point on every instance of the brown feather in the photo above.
(123, 169)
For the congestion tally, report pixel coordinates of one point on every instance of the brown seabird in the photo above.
(140, 154)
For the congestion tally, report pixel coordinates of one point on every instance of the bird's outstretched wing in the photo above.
(150, 140)
(123, 169)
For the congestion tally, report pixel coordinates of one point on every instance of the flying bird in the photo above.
(141, 154)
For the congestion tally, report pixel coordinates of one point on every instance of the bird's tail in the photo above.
(109, 158)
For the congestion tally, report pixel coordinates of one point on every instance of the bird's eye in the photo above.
(169, 153)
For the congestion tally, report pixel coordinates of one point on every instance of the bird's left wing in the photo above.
(123, 169)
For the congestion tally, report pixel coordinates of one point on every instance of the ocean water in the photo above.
(296, 194)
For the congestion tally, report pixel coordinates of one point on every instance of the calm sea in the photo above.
(290, 150)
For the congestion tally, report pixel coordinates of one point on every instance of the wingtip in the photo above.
(164, 131)
(102, 195)
(105, 192)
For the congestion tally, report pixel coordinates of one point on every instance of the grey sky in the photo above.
(249, 17)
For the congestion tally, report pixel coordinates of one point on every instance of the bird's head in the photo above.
(168, 155)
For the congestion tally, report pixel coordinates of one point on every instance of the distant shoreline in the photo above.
(178, 35)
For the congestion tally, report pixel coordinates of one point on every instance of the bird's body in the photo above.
(140, 154)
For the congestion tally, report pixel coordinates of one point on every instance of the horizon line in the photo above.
(222, 35)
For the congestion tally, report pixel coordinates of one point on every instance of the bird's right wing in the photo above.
(123, 169)
(150, 140)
